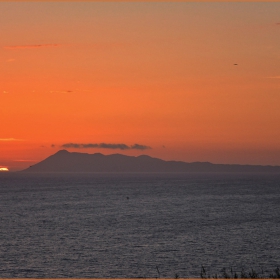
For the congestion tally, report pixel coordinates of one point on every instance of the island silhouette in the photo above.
(74, 162)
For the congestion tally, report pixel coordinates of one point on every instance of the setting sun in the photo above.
(3, 169)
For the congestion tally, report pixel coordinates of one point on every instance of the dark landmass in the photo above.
(64, 161)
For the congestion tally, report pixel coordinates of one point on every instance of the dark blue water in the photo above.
(121, 226)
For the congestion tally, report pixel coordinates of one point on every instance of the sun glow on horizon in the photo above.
(186, 81)
(4, 169)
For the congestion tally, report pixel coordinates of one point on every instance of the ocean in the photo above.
(137, 225)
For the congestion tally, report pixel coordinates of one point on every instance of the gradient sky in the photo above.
(93, 76)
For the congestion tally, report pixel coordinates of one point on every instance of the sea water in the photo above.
(133, 225)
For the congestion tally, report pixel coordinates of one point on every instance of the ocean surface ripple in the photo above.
(133, 225)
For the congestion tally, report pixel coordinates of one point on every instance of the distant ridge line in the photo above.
(75, 162)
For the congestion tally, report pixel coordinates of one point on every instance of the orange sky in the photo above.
(161, 75)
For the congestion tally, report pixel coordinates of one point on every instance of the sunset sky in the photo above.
(190, 81)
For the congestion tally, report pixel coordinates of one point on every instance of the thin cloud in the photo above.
(105, 146)
(10, 139)
(31, 46)
(114, 146)
(61, 91)
(140, 147)
(275, 77)
(25, 160)
(79, 146)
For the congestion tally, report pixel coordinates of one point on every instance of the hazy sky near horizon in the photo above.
(140, 78)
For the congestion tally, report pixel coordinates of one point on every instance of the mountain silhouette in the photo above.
(64, 161)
